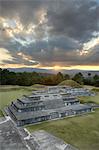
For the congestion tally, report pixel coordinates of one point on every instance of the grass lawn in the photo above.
(4, 88)
(90, 99)
(89, 87)
(81, 131)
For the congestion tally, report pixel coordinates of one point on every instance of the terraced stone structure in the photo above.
(45, 105)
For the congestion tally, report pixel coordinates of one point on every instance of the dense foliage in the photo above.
(29, 78)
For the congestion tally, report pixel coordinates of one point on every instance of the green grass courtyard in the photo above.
(80, 131)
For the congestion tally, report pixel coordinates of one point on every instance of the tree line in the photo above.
(29, 78)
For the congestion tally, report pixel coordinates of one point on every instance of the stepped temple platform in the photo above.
(54, 103)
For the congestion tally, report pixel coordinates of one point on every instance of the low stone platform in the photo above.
(9, 136)
(42, 140)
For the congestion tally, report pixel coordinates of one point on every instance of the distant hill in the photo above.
(47, 71)
(29, 70)
(42, 72)
(70, 83)
(84, 72)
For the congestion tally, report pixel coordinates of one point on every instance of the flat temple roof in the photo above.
(33, 104)
(29, 99)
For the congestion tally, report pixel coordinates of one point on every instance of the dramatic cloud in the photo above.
(75, 18)
(49, 33)
(5, 55)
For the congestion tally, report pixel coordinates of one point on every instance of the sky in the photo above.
(50, 34)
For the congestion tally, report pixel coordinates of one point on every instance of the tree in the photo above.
(0, 75)
(59, 77)
(11, 79)
(79, 78)
(96, 80)
(23, 79)
(4, 76)
(96, 77)
(66, 77)
(89, 74)
(48, 81)
(97, 83)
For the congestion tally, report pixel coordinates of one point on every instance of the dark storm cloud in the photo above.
(64, 42)
(74, 18)
(25, 9)
(60, 42)
(71, 23)
(77, 19)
